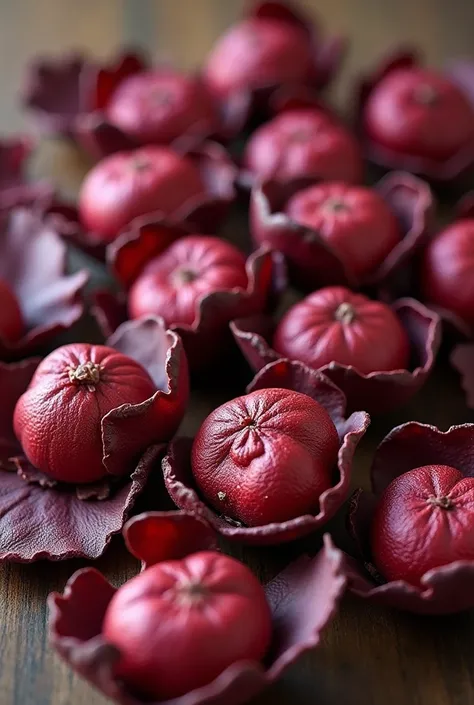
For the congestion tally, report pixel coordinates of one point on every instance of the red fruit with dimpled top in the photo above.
(157, 107)
(11, 319)
(336, 325)
(172, 284)
(424, 520)
(354, 220)
(304, 144)
(130, 184)
(420, 113)
(58, 419)
(258, 53)
(447, 270)
(180, 624)
(265, 457)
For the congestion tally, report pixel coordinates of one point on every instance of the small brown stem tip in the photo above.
(87, 374)
(335, 205)
(441, 502)
(345, 313)
(191, 593)
(184, 275)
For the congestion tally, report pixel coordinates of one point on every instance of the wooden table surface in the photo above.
(369, 656)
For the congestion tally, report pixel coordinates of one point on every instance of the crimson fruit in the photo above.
(157, 107)
(423, 520)
(447, 270)
(303, 144)
(130, 184)
(354, 220)
(417, 112)
(180, 624)
(58, 419)
(265, 457)
(11, 318)
(257, 53)
(173, 283)
(337, 325)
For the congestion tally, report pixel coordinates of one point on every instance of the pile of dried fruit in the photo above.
(377, 281)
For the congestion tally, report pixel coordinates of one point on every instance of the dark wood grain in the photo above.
(370, 656)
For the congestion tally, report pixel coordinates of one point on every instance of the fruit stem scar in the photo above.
(140, 164)
(441, 502)
(87, 373)
(221, 496)
(345, 313)
(191, 592)
(184, 275)
(335, 205)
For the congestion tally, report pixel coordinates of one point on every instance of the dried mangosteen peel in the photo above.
(311, 260)
(180, 483)
(201, 214)
(147, 239)
(94, 512)
(454, 168)
(378, 392)
(33, 262)
(303, 598)
(443, 590)
(15, 187)
(238, 107)
(59, 91)
(303, 144)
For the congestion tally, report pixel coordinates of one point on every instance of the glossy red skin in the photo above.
(395, 118)
(374, 341)
(12, 325)
(354, 220)
(411, 536)
(447, 270)
(216, 265)
(129, 184)
(271, 453)
(58, 422)
(171, 641)
(257, 53)
(304, 143)
(156, 107)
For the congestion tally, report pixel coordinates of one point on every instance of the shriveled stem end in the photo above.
(87, 374)
(345, 313)
(441, 502)
(191, 593)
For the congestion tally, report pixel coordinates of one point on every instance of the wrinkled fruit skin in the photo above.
(58, 419)
(172, 284)
(12, 325)
(180, 624)
(130, 184)
(423, 520)
(447, 270)
(305, 143)
(336, 325)
(257, 53)
(157, 107)
(354, 220)
(418, 112)
(265, 457)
